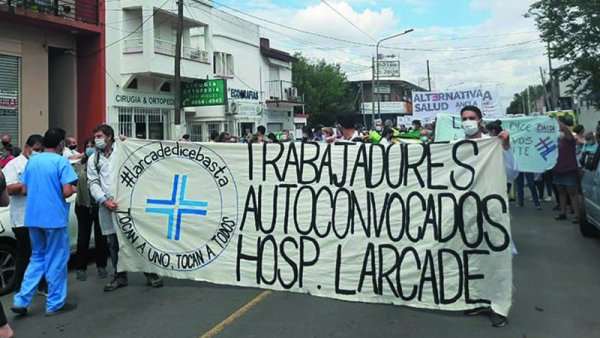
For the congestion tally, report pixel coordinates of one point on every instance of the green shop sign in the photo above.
(203, 93)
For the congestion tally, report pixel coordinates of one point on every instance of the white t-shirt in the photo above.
(68, 153)
(12, 172)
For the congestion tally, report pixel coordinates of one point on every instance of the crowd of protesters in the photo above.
(38, 180)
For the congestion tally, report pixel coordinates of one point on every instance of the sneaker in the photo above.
(67, 307)
(478, 311)
(154, 280)
(21, 311)
(118, 281)
(561, 217)
(102, 273)
(548, 199)
(538, 207)
(497, 320)
(81, 275)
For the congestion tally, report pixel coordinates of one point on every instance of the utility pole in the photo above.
(528, 101)
(553, 97)
(362, 103)
(546, 98)
(178, 62)
(428, 76)
(373, 94)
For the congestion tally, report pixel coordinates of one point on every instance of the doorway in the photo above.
(62, 89)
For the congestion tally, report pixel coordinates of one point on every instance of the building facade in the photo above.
(225, 72)
(51, 67)
(395, 99)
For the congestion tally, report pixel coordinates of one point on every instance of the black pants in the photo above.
(86, 219)
(23, 253)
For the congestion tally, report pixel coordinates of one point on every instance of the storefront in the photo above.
(9, 96)
(142, 115)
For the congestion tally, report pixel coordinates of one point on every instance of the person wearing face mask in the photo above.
(48, 180)
(86, 210)
(472, 124)
(589, 149)
(70, 152)
(18, 200)
(5, 329)
(100, 181)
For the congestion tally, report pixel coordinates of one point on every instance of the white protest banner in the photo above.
(419, 225)
(429, 104)
(533, 139)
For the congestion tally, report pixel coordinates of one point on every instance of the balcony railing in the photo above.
(279, 90)
(78, 10)
(133, 45)
(195, 54)
(188, 52)
(164, 47)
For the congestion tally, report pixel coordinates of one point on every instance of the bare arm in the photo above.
(3, 193)
(68, 190)
(568, 133)
(16, 189)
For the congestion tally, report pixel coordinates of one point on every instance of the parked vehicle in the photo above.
(8, 246)
(589, 220)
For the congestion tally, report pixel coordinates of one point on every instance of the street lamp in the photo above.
(377, 66)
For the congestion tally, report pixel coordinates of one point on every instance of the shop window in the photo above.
(195, 131)
(214, 127)
(143, 123)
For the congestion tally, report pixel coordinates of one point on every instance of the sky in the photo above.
(469, 43)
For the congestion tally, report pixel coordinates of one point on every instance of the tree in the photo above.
(325, 87)
(572, 30)
(523, 100)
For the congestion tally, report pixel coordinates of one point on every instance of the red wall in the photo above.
(91, 81)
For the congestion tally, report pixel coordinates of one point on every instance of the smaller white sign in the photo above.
(388, 107)
(389, 68)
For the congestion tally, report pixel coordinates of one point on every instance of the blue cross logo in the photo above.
(177, 207)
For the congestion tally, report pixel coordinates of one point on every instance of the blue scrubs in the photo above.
(49, 257)
(47, 217)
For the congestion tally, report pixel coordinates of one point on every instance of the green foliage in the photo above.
(572, 29)
(325, 88)
(516, 105)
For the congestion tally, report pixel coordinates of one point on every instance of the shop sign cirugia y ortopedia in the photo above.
(429, 104)
(423, 225)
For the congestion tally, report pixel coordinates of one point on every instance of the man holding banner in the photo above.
(472, 124)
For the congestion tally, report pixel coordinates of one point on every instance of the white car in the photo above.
(8, 246)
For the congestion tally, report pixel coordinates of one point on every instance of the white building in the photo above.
(140, 40)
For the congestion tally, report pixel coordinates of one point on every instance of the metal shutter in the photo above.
(9, 97)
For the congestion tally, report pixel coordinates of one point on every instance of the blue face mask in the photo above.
(90, 151)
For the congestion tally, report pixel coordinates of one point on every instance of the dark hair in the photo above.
(214, 135)
(567, 119)
(578, 128)
(223, 137)
(106, 130)
(473, 109)
(261, 130)
(308, 131)
(185, 136)
(346, 121)
(387, 132)
(53, 137)
(416, 122)
(89, 140)
(495, 126)
(272, 137)
(35, 139)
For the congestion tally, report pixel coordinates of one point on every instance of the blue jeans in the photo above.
(49, 258)
(531, 184)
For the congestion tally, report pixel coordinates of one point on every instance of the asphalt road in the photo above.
(557, 294)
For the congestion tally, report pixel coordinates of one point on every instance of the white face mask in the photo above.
(100, 143)
(561, 134)
(470, 127)
(33, 153)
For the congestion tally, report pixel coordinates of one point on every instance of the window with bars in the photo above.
(143, 123)
(216, 127)
(195, 131)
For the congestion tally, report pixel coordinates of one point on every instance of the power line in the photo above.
(350, 22)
